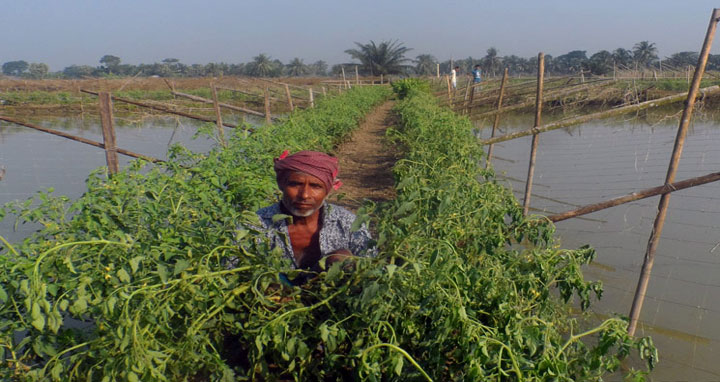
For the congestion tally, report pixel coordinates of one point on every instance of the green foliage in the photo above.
(464, 287)
(129, 281)
(409, 86)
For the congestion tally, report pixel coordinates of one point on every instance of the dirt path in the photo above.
(366, 161)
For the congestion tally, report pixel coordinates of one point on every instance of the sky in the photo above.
(62, 33)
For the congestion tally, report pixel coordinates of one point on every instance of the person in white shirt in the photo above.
(453, 77)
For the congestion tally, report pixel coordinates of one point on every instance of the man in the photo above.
(453, 77)
(314, 229)
(476, 74)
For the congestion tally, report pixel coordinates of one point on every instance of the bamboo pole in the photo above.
(221, 104)
(603, 114)
(324, 92)
(437, 70)
(381, 79)
(343, 74)
(642, 194)
(289, 98)
(357, 76)
(312, 100)
(449, 93)
(534, 145)
(268, 118)
(163, 109)
(467, 94)
(672, 170)
(106, 120)
(496, 124)
(80, 139)
(218, 115)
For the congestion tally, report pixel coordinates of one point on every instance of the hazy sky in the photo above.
(61, 33)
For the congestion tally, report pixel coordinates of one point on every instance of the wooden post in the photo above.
(533, 147)
(614, 71)
(381, 79)
(343, 73)
(357, 76)
(106, 119)
(468, 88)
(447, 79)
(670, 178)
(312, 100)
(218, 117)
(289, 98)
(437, 70)
(497, 117)
(267, 105)
(324, 92)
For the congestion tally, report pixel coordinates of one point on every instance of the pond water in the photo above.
(34, 160)
(605, 159)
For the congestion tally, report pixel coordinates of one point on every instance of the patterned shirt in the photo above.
(335, 232)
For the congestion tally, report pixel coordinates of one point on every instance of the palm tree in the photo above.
(388, 57)
(622, 57)
(425, 64)
(261, 66)
(645, 53)
(296, 68)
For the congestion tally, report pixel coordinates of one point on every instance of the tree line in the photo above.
(386, 57)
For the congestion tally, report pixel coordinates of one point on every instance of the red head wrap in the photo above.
(317, 164)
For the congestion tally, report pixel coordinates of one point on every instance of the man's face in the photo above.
(303, 194)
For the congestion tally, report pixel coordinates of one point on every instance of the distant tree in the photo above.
(14, 68)
(601, 63)
(262, 66)
(388, 57)
(713, 62)
(319, 68)
(195, 70)
(623, 58)
(645, 53)
(296, 68)
(38, 70)
(172, 66)
(236, 69)
(681, 60)
(110, 63)
(571, 62)
(425, 64)
(78, 71)
(491, 61)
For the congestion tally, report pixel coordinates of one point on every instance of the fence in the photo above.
(466, 105)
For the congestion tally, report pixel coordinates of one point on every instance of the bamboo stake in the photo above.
(447, 79)
(221, 104)
(289, 98)
(672, 170)
(343, 73)
(534, 145)
(218, 115)
(496, 124)
(80, 139)
(268, 119)
(603, 114)
(467, 94)
(437, 70)
(324, 91)
(381, 79)
(357, 76)
(312, 100)
(163, 109)
(106, 120)
(642, 194)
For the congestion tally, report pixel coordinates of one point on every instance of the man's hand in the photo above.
(339, 255)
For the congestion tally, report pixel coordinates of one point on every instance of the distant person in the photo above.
(453, 77)
(477, 74)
